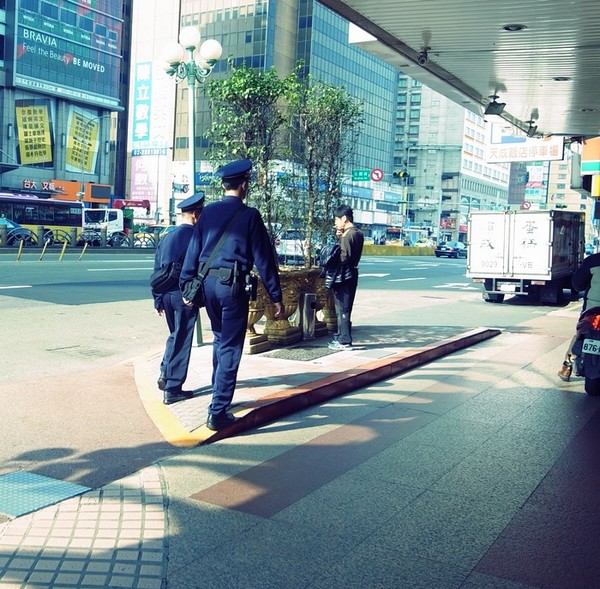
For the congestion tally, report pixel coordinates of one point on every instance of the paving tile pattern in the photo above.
(110, 537)
(22, 492)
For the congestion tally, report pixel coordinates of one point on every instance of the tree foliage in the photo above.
(247, 119)
(299, 132)
(326, 123)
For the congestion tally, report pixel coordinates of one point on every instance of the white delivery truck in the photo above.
(524, 252)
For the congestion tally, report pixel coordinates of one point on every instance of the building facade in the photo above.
(262, 34)
(62, 76)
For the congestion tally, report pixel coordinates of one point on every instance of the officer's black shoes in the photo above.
(221, 421)
(162, 382)
(170, 397)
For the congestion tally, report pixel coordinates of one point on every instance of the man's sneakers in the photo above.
(170, 397)
(565, 371)
(220, 421)
(335, 345)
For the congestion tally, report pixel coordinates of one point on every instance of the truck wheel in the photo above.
(592, 386)
(492, 297)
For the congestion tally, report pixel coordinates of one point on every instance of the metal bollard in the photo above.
(307, 314)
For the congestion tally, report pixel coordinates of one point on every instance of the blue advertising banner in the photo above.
(70, 48)
(142, 103)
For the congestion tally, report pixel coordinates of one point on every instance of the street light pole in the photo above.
(196, 69)
(193, 68)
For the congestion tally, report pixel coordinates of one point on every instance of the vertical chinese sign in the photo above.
(82, 145)
(33, 127)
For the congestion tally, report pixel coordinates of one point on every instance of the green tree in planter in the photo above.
(307, 128)
(247, 121)
(325, 122)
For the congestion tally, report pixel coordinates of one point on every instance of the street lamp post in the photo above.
(196, 68)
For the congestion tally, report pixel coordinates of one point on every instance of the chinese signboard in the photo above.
(144, 177)
(505, 143)
(70, 48)
(82, 145)
(142, 102)
(33, 127)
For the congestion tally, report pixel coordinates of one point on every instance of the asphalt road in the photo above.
(71, 328)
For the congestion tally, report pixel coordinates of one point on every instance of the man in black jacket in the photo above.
(346, 280)
(180, 318)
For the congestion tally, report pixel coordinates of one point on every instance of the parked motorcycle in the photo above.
(586, 350)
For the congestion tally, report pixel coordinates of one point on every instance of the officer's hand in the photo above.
(279, 310)
(187, 302)
(160, 311)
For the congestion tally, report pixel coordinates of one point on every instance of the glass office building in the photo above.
(278, 34)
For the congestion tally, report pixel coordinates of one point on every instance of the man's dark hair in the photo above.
(344, 211)
(235, 183)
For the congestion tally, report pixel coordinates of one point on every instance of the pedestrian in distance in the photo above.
(345, 283)
(181, 319)
(227, 301)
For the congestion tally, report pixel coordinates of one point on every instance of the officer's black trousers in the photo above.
(181, 320)
(229, 319)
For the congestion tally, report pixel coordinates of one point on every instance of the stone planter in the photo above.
(280, 332)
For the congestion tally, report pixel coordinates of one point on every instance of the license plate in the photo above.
(507, 288)
(591, 346)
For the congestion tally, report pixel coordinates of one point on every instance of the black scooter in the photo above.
(586, 350)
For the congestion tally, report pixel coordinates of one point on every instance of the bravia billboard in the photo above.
(69, 48)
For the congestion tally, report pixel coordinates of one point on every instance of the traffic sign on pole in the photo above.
(376, 175)
(361, 175)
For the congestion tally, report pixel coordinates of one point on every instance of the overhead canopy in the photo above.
(546, 72)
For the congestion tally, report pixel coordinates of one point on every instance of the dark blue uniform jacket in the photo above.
(248, 243)
(171, 247)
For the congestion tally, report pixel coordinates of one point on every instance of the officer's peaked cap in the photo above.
(234, 170)
(191, 203)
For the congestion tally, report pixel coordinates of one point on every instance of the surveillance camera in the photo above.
(422, 58)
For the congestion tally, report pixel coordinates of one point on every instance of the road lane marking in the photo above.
(460, 285)
(374, 275)
(15, 286)
(406, 279)
(116, 269)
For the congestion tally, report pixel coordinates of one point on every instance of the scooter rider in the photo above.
(586, 279)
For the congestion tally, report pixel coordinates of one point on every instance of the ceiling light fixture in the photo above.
(494, 108)
(513, 28)
(532, 130)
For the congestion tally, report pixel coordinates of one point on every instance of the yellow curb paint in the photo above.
(166, 423)
(169, 426)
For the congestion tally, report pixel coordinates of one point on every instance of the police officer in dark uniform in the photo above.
(180, 318)
(227, 301)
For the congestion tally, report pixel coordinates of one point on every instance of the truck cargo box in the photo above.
(524, 252)
(525, 244)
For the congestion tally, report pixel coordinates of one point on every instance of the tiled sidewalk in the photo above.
(110, 537)
(424, 481)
